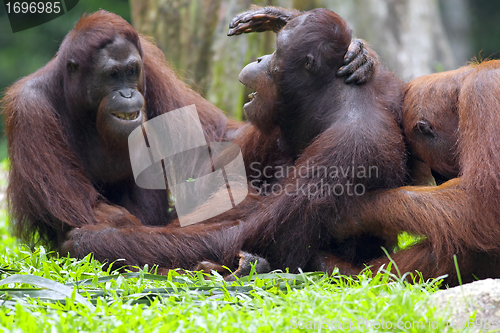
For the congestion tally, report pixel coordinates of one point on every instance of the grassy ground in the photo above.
(44, 293)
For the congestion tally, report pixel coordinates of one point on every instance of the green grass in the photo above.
(105, 301)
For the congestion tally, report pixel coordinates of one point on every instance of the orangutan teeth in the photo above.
(252, 95)
(127, 115)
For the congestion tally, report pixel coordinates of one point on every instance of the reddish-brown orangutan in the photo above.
(71, 185)
(67, 127)
(345, 141)
(451, 121)
(451, 124)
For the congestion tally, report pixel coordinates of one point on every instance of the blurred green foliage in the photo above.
(485, 32)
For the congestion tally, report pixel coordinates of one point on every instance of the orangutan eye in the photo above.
(131, 71)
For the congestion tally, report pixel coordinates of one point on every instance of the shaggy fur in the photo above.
(462, 215)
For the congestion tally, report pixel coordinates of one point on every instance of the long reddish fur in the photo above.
(50, 193)
(460, 217)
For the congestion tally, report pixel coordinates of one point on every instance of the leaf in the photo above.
(146, 276)
(48, 284)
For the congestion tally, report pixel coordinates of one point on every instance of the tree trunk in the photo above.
(192, 34)
(457, 25)
(407, 34)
